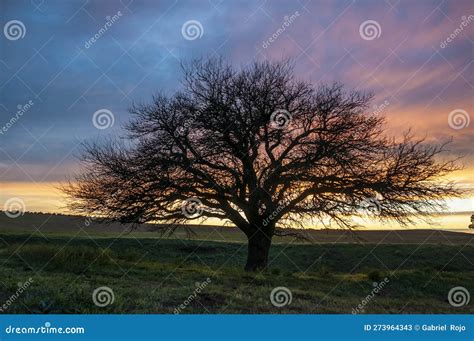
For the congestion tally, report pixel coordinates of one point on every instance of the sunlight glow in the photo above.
(46, 197)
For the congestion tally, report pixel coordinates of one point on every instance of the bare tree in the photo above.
(257, 147)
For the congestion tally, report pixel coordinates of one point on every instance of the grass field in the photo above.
(159, 275)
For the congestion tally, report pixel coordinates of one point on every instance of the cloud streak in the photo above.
(140, 54)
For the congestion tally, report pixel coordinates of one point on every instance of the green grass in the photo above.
(152, 275)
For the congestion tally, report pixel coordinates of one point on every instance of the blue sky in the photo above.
(140, 55)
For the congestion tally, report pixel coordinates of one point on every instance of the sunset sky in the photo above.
(416, 57)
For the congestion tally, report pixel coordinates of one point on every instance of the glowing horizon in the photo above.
(47, 198)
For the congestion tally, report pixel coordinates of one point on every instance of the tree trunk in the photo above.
(258, 249)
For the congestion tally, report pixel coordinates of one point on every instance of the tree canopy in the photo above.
(263, 150)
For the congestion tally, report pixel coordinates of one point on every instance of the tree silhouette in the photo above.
(257, 147)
